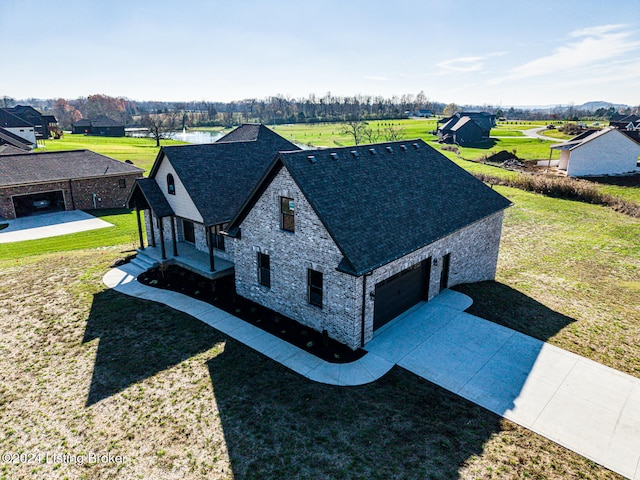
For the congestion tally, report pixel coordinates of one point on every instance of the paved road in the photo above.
(533, 133)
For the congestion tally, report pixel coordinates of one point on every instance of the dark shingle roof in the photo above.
(104, 121)
(17, 141)
(9, 120)
(381, 206)
(220, 176)
(250, 132)
(54, 166)
(154, 197)
(7, 149)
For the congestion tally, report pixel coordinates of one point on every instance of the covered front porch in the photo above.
(189, 258)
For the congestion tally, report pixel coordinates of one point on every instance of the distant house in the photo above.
(461, 131)
(18, 126)
(43, 124)
(465, 128)
(101, 126)
(424, 113)
(347, 239)
(602, 152)
(8, 138)
(50, 181)
(627, 122)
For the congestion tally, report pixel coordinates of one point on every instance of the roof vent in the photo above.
(334, 156)
(312, 159)
(416, 146)
(389, 149)
(403, 148)
(372, 151)
(355, 153)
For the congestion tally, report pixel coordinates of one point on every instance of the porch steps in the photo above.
(144, 262)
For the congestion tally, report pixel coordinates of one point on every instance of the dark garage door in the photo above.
(400, 292)
(42, 202)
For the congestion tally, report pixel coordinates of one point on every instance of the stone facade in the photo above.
(78, 194)
(291, 254)
(473, 251)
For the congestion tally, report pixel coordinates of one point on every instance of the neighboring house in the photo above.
(424, 113)
(461, 131)
(16, 141)
(193, 191)
(625, 123)
(603, 152)
(346, 239)
(43, 124)
(18, 126)
(486, 121)
(71, 180)
(101, 126)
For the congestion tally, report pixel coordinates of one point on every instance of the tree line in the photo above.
(280, 109)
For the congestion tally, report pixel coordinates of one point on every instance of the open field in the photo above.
(141, 151)
(85, 369)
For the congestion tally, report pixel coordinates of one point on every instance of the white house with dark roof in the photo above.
(346, 239)
(603, 152)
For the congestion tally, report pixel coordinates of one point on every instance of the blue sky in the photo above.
(492, 52)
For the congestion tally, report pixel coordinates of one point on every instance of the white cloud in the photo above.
(465, 64)
(375, 78)
(592, 46)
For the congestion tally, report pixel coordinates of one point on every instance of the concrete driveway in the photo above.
(580, 404)
(49, 225)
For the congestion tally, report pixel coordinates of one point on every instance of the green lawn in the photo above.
(124, 235)
(141, 151)
(90, 370)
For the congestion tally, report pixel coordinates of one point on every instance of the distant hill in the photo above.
(600, 104)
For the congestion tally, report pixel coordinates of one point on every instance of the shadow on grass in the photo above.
(138, 339)
(278, 424)
(506, 306)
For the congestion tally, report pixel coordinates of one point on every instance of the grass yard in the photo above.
(124, 234)
(89, 370)
(141, 151)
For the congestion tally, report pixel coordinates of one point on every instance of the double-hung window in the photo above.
(287, 209)
(264, 270)
(314, 287)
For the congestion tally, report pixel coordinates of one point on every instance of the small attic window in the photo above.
(389, 149)
(373, 151)
(355, 153)
(403, 148)
(334, 156)
(416, 146)
(312, 159)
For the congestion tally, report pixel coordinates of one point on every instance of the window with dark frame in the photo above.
(171, 185)
(314, 281)
(264, 270)
(218, 238)
(122, 183)
(287, 212)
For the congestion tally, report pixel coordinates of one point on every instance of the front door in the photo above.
(189, 231)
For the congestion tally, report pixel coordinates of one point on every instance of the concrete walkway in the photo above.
(580, 404)
(49, 225)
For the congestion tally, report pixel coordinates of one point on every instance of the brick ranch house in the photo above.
(346, 239)
(51, 181)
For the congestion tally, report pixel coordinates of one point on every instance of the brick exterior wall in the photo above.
(291, 254)
(474, 255)
(78, 194)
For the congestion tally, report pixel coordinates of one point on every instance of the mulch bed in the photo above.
(222, 294)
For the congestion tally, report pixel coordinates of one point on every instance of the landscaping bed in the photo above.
(222, 294)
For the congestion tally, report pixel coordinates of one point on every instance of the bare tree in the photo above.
(392, 133)
(357, 129)
(450, 109)
(160, 125)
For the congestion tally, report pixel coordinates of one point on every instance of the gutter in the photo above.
(364, 304)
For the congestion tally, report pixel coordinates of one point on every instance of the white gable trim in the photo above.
(181, 203)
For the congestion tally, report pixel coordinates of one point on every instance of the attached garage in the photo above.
(25, 205)
(400, 292)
